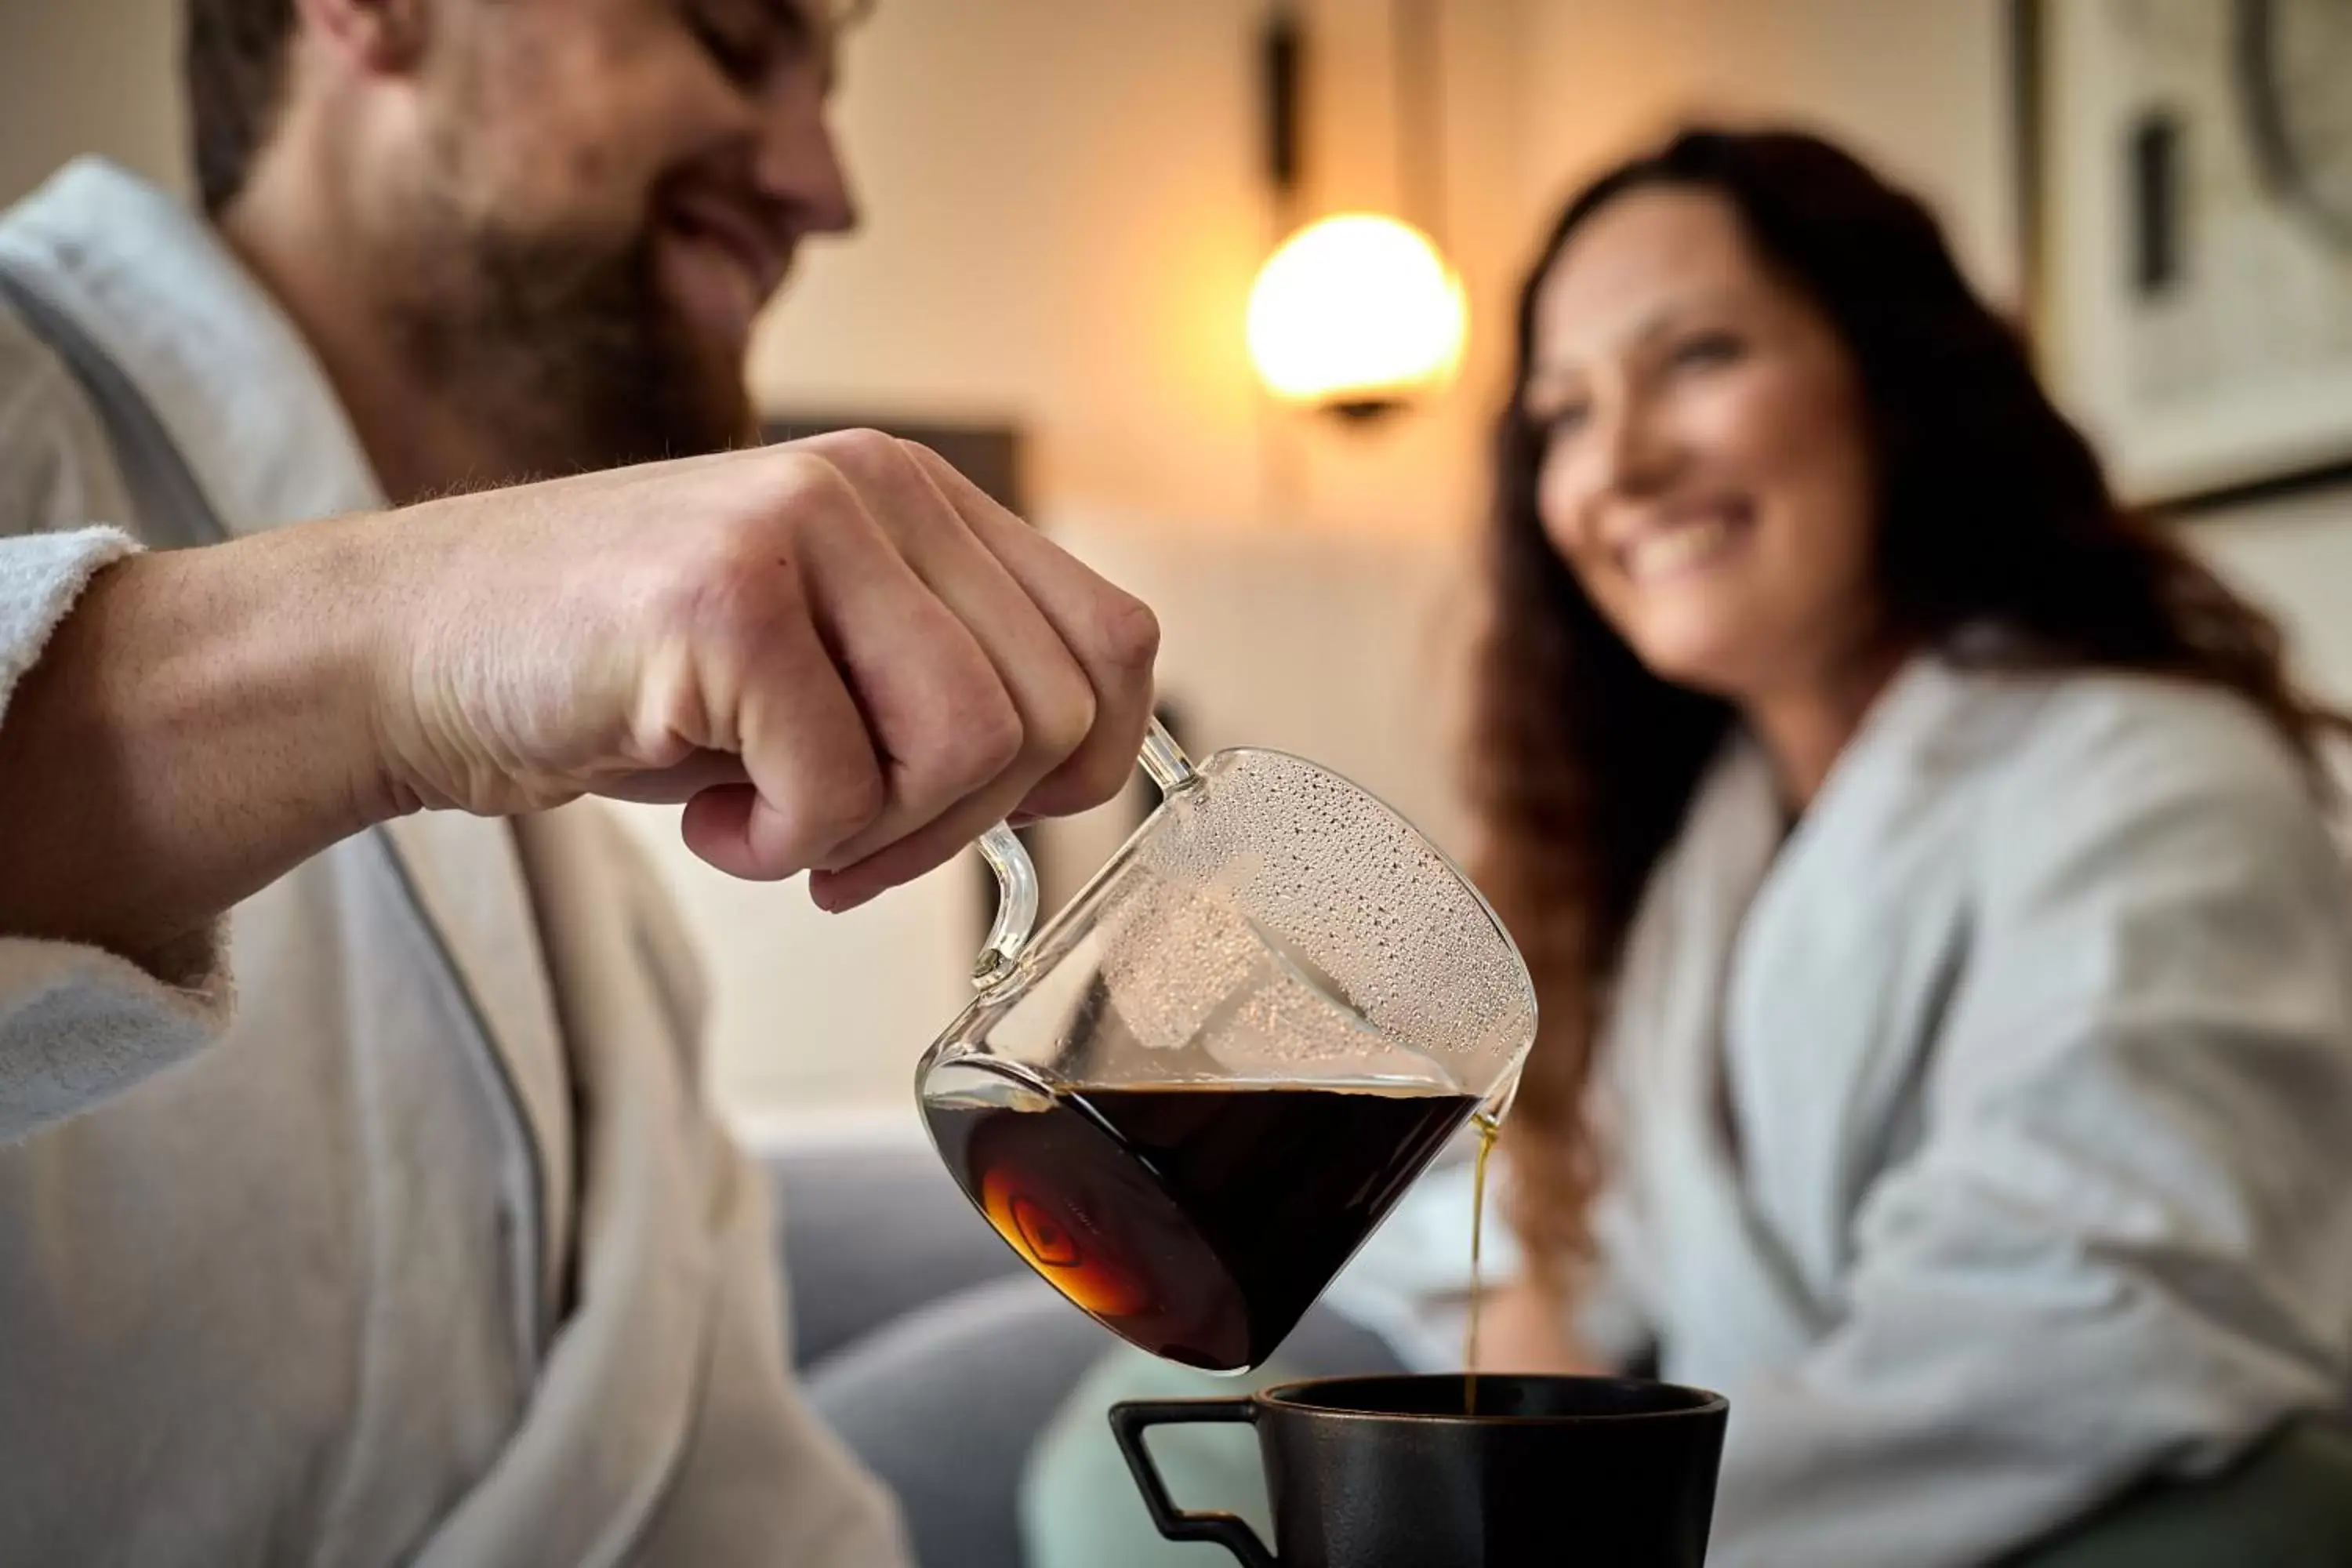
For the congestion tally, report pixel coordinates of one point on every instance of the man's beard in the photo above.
(565, 352)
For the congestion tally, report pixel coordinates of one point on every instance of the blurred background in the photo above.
(1068, 202)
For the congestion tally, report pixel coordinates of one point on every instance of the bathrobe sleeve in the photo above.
(2123, 1243)
(78, 1024)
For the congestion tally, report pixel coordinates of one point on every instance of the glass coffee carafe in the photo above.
(1190, 1097)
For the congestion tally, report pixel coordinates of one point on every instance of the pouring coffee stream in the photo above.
(1489, 1129)
(1188, 1096)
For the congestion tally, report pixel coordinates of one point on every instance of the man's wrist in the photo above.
(201, 722)
(360, 654)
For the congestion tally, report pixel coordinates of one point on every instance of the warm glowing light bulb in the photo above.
(1357, 311)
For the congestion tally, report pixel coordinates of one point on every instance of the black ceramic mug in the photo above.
(1390, 1472)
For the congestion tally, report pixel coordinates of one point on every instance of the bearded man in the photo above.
(429, 1250)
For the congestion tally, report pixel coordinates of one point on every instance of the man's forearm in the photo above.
(836, 653)
(197, 726)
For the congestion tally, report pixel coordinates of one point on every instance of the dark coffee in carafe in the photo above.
(1199, 1221)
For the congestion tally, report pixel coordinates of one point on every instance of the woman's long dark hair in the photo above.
(1992, 514)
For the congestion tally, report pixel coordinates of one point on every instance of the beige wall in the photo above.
(1066, 210)
(1919, 86)
(1065, 213)
(88, 76)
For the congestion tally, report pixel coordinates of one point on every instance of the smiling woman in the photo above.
(1706, 466)
(1920, 862)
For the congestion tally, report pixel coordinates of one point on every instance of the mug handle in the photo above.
(1127, 1422)
(1016, 877)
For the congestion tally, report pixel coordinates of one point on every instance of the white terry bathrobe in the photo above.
(432, 1252)
(1988, 1140)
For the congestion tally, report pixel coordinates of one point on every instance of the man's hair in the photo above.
(235, 58)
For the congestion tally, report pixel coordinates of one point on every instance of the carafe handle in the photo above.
(1016, 877)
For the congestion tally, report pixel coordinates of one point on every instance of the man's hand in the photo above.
(839, 654)
(838, 651)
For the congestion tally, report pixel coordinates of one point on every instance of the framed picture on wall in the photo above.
(2186, 167)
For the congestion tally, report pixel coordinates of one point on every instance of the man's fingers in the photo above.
(899, 662)
(924, 850)
(941, 718)
(1052, 699)
(768, 689)
(1113, 636)
(701, 770)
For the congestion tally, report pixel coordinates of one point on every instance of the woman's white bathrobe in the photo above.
(1989, 1141)
(433, 1253)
